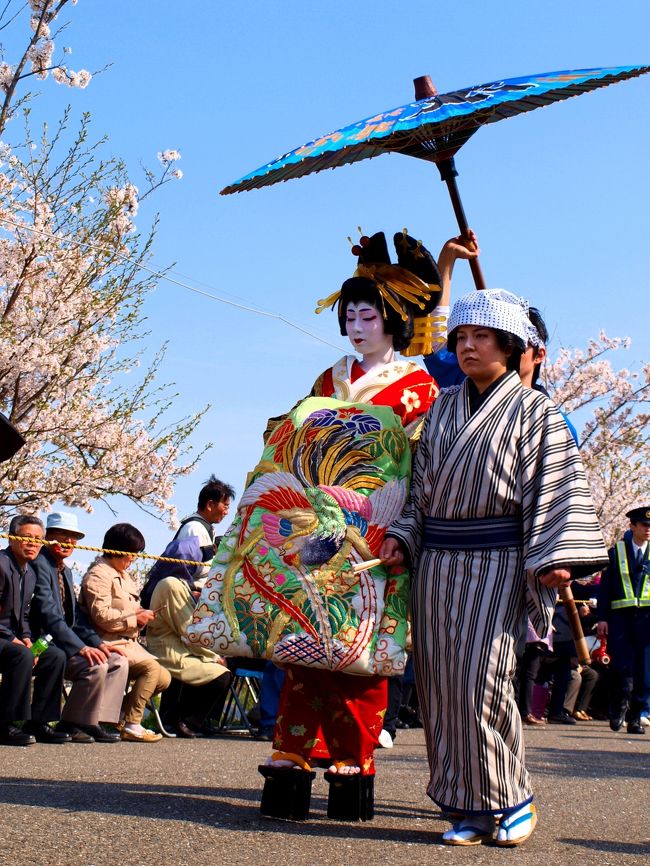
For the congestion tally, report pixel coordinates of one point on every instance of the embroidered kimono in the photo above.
(403, 385)
(333, 475)
(497, 497)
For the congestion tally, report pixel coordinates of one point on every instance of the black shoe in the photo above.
(265, 734)
(45, 734)
(183, 730)
(617, 723)
(99, 734)
(561, 719)
(410, 717)
(10, 735)
(635, 727)
(76, 734)
(203, 729)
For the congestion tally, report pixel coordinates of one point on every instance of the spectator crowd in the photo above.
(97, 654)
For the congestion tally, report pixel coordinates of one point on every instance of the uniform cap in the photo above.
(639, 515)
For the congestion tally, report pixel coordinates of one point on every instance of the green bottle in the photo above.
(39, 646)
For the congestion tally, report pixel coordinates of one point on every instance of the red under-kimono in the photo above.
(330, 716)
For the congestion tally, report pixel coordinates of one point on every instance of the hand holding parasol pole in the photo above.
(573, 617)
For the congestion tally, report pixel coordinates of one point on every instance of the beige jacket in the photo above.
(111, 599)
(194, 666)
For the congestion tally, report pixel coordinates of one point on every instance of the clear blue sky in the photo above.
(558, 197)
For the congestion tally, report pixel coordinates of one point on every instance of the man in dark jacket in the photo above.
(98, 671)
(17, 664)
(624, 618)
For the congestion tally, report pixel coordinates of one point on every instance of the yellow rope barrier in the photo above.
(100, 549)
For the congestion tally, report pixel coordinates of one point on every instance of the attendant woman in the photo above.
(499, 516)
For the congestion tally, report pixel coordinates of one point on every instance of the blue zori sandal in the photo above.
(516, 827)
(471, 830)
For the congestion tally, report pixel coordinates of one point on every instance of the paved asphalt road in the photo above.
(182, 802)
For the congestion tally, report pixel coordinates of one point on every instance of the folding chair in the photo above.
(153, 710)
(243, 694)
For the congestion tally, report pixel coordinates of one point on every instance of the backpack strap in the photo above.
(195, 519)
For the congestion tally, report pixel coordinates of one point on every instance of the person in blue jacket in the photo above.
(98, 671)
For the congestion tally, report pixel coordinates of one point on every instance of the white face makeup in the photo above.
(365, 329)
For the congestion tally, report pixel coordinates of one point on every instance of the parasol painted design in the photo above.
(433, 128)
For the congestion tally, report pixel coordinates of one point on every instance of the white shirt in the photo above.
(197, 529)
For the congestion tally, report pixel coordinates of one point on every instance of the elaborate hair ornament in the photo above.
(411, 288)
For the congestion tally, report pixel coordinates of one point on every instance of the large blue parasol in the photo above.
(434, 127)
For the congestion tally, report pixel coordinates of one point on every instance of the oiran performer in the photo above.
(334, 473)
(499, 516)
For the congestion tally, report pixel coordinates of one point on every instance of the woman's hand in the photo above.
(143, 616)
(392, 552)
(455, 248)
(555, 577)
(460, 247)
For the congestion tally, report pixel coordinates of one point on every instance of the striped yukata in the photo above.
(498, 496)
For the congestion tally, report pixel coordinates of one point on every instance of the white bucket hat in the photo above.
(64, 520)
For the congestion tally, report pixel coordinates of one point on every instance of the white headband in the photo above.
(493, 308)
(533, 336)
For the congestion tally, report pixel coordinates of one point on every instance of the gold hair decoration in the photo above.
(403, 242)
(424, 332)
(391, 281)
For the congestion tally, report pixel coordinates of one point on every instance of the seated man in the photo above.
(98, 671)
(199, 679)
(213, 505)
(17, 664)
(111, 598)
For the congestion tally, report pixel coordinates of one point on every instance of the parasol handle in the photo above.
(584, 656)
(426, 89)
(448, 174)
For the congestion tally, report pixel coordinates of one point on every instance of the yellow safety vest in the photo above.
(629, 598)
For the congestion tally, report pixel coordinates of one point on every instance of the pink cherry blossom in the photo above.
(613, 409)
(70, 319)
(38, 57)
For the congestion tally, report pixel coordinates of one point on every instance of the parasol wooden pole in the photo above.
(424, 89)
(448, 173)
(575, 625)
